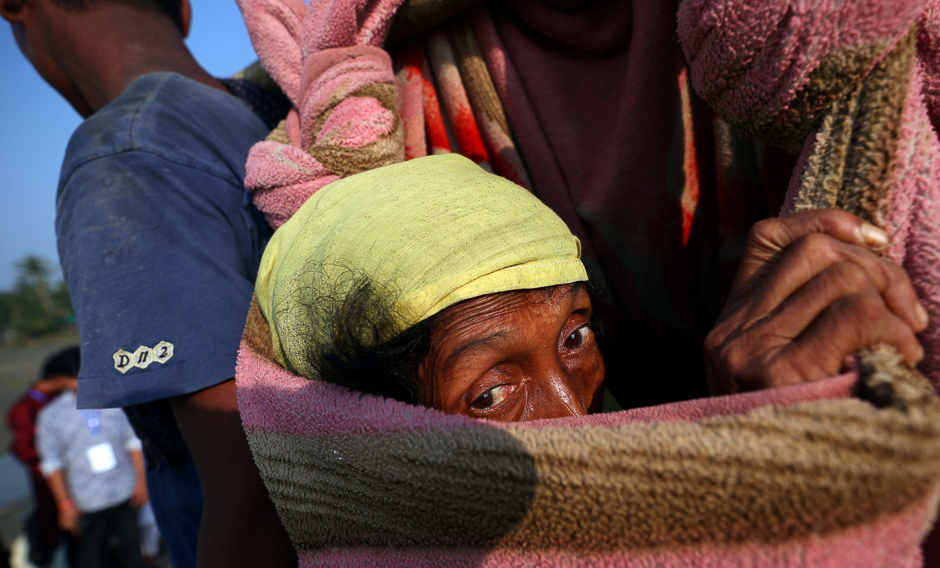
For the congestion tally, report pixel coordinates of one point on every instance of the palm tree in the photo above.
(34, 273)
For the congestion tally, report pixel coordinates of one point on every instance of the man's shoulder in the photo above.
(172, 118)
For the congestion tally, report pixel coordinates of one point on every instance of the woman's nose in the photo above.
(558, 398)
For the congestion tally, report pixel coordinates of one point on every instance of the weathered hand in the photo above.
(810, 291)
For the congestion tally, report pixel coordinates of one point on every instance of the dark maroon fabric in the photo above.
(21, 418)
(596, 110)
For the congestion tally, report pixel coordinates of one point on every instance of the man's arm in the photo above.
(140, 497)
(134, 448)
(68, 512)
(236, 507)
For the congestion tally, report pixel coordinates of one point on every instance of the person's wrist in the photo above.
(65, 505)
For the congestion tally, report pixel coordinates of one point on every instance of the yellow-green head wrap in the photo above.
(434, 231)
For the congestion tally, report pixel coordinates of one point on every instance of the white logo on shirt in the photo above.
(143, 356)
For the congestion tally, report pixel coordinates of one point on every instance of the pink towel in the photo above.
(351, 113)
(345, 118)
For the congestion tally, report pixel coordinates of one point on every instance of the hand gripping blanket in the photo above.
(842, 472)
(853, 87)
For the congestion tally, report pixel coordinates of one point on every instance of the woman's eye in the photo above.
(578, 338)
(492, 397)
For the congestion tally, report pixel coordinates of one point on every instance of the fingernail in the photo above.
(922, 317)
(873, 236)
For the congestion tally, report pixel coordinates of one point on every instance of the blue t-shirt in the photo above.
(158, 242)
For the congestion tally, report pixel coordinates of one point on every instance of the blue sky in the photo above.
(35, 125)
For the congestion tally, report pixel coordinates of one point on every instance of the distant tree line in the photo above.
(37, 305)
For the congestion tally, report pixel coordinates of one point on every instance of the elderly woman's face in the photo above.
(515, 356)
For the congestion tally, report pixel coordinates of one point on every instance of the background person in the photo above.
(59, 373)
(95, 469)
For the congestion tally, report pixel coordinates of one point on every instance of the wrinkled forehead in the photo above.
(479, 311)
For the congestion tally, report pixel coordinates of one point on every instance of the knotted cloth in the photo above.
(431, 231)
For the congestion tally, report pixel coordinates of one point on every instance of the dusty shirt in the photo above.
(158, 243)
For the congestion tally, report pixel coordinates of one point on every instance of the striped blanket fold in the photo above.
(802, 476)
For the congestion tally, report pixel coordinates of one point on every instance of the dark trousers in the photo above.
(96, 528)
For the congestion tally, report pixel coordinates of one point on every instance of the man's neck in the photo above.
(119, 44)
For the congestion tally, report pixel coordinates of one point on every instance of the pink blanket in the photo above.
(795, 477)
(802, 476)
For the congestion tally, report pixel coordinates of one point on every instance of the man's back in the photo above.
(157, 244)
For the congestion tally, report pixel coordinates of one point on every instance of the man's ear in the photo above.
(186, 15)
(12, 10)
